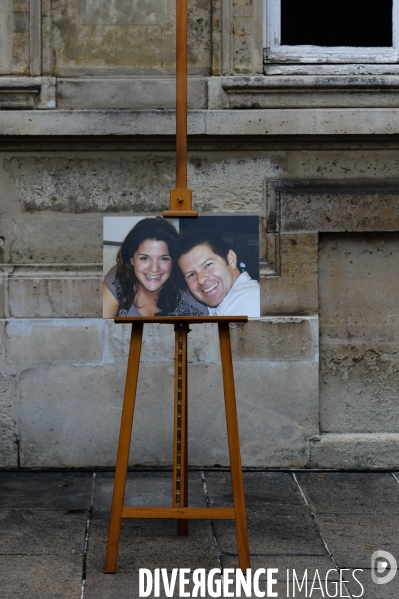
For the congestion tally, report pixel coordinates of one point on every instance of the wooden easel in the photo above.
(179, 510)
(180, 205)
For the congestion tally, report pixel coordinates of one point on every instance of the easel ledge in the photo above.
(177, 319)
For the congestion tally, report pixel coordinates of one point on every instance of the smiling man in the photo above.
(210, 269)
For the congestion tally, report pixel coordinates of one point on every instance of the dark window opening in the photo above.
(364, 23)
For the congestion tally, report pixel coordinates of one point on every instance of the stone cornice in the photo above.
(266, 122)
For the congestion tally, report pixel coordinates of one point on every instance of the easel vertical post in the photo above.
(180, 445)
(181, 94)
(234, 446)
(181, 196)
(122, 460)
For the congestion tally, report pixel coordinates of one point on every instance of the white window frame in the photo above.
(277, 53)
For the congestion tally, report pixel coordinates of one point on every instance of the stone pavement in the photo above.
(53, 531)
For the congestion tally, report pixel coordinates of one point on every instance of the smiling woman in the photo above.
(145, 281)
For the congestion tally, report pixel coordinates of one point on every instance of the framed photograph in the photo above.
(205, 266)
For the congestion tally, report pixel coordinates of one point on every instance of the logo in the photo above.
(383, 567)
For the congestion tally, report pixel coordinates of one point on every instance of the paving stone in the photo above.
(274, 530)
(31, 532)
(352, 538)
(120, 586)
(39, 577)
(153, 544)
(355, 493)
(372, 590)
(305, 569)
(145, 489)
(259, 488)
(322, 563)
(46, 490)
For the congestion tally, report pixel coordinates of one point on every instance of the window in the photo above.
(335, 31)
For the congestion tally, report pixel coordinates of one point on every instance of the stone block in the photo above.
(296, 290)
(358, 288)
(20, 5)
(145, 489)
(351, 538)
(20, 21)
(153, 544)
(82, 47)
(116, 342)
(355, 211)
(372, 590)
(52, 292)
(355, 451)
(159, 343)
(304, 92)
(140, 182)
(359, 322)
(91, 43)
(242, 49)
(54, 341)
(276, 530)
(97, 122)
(358, 388)
(27, 575)
(351, 492)
(233, 182)
(261, 488)
(20, 53)
(5, 35)
(101, 12)
(242, 8)
(199, 38)
(273, 425)
(274, 121)
(44, 532)
(299, 563)
(242, 25)
(2, 295)
(333, 164)
(49, 238)
(274, 339)
(8, 422)
(70, 416)
(142, 93)
(46, 490)
(126, 584)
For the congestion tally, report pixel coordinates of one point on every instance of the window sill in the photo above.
(304, 91)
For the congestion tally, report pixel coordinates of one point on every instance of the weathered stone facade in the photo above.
(87, 129)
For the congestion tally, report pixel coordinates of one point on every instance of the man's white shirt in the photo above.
(243, 299)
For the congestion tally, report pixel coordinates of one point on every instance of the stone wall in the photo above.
(63, 367)
(87, 96)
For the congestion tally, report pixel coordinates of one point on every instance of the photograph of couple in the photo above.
(181, 267)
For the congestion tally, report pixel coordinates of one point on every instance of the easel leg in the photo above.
(122, 459)
(180, 457)
(234, 446)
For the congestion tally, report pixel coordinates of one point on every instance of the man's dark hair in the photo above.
(190, 240)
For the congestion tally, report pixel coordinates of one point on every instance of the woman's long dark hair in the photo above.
(159, 230)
